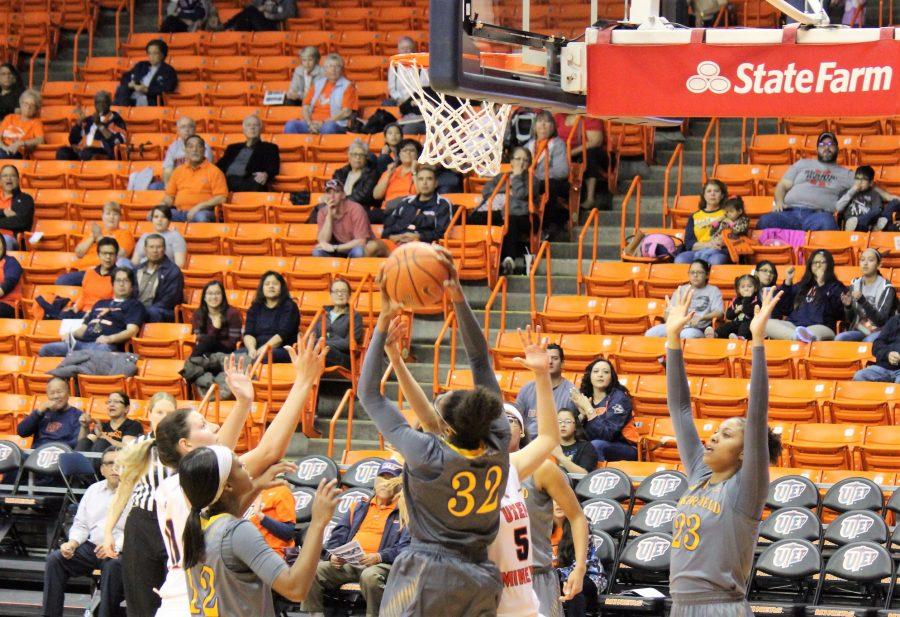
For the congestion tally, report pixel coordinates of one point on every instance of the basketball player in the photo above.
(717, 520)
(230, 568)
(454, 477)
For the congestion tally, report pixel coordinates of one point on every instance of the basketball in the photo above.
(414, 275)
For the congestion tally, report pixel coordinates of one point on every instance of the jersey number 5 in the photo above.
(686, 531)
(464, 483)
(520, 536)
(208, 605)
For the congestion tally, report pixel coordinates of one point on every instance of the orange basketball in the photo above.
(414, 275)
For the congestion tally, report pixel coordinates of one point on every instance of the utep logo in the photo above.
(303, 499)
(663, 485)
(660, 514)
(5, 452)
(598, 511)
(597, 541)
(603, 482)
(328, 529)
(789, 521)
(348, 499)
(310, 469)
(852, 492)
(649, 549)
(858, 558)
(787, 490)
(366, 472)
(856, 525)
(789, 554)
(708, 78)
(48, 457)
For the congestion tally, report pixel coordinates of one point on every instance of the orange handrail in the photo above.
(592, 223)
(545, 248)
(713, 124)
(499, 290)
(348, 402)
(633, 189)
(677, 155)
(449, 323)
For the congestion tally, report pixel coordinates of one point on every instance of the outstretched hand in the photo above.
(237, 377)
(452, 283)
(309, 361)
(764, 313)
(679, 313)
(389, 308)
(534, 345)
(397, 334)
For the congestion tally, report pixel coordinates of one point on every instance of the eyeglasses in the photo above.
(416, 150)
(519, 158)
(357, 154)
(340, 292)
(827, 143)
(566, 422)
(861, 178)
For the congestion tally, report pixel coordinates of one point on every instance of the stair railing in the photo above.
(543, 251)
(592, 224)
(712, 128)
(676, 158)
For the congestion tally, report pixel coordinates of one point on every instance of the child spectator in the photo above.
(575, 454)
(861, 207)
(273, 514)
(767, 274)
(869, 301)
(740, 311)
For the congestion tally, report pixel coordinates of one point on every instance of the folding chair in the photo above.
(787, 583)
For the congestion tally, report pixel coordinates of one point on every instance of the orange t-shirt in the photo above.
(189, 186)
(372, 528)
(277, 503)
(14, 127)
(555, 539)
(400, 184)
(123, 236)
(94, 288)
(321, 110)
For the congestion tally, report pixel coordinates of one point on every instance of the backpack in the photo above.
(377, 122)
(658, 246)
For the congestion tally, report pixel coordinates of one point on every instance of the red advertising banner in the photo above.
(699, 79)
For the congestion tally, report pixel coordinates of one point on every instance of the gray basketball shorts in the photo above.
(718, 609)
(546, 586)
(427, 583)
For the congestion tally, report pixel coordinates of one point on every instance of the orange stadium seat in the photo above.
(806, 126)
(273, 68)
(582, 349)
(798, 400)
(200, 269)
(164, 340)
(267, 44)
(146, 119)
(629, 315)
(773, 149)
(844, 246)
(827, 446)
(836, 359)
(160, 375)
(301, 238)
(45, 266)
(189, 93)
(859, 126)
(879, 150)
(508, 345)
(11, 366)
(314, 273)
(228, 68)
(371, 92)
(251, 268)
(101, 385)
(863, 402)
(202, 115)
(224, 43)
(15, 407)
(782, 359)
(661, 447)
(49, 174)
(878, 452)
(569, 314)
(663, 279)
(11, 330)
(711, 357)
(722, 398)
(740, 179)
(650, 394)
(640, 355)
(614, 279)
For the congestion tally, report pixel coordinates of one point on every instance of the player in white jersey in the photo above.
(185, 430)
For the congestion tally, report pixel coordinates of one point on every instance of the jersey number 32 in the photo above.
(465, 484)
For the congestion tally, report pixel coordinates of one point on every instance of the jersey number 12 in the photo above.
(464, 483)
(203, 600)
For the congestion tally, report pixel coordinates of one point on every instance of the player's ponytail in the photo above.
(195, 471)
(774, 442)
(470, 414)
(134, 462)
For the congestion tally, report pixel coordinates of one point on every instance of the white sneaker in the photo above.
(508, 266)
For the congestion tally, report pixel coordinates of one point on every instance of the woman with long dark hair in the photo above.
(700, 241)
(571, 571)
(869, 302)
(216, 325)
(273, 320)
(10, 283)
(608, 412)
(11, 88)
(813, 306)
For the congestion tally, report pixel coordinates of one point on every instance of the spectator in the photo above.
(399, 93)
(263, 16)
(551, 159)
(575, 453)
(84, 552)
(423, 217)
(175, 154)
(869, 302)
(217, 328)
(95, 137)
(337, 325)
(741, 310)
(10, 283)
(252, 165)
(274, 514)
(700, 242)
(273, 320)
(733, 230)
(812, 307)
(706, 302)
(767, 274)
(16, 207)
(608, 412)
(160, 282)
(88, 255)
(886, 350)
(117, 431)
(22, 132)
(398, 179)
(95, 282)
(526, 399)
(343, 225)
(305, 74)
(176, 247)
(110, 324)
(862, 206)
(329, 102)
(149, 79)
(517, 195)
(584, 603)
(806, 196)
(197, 187)
(597, 160)
(359, 177)
(376, 525)
(390, 152)
(54, 422)
(11, 89)
(186, 15)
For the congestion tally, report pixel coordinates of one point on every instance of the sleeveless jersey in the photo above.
(172, 512)
(511, 551)
(540, 515)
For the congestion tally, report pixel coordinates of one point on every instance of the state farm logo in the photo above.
(659, 515)
(603, 482)
(649, 549)
(788, 554)
(708, 78)
(753, 78)
(858, 558)
(311, 468)
(788, 490)
(852, 492)
(664, 484)
(854, 526)
(366, 472)
(790, 521)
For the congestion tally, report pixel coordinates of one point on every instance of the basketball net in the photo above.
(463, 135)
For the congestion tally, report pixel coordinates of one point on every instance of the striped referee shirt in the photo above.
(144, 494)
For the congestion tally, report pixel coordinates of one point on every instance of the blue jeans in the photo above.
(301, 126)
(857, 336)
(61, 348)
(204, 216)
(713, 257)
(660, 330)
(878, 373)
(71, 278)
(356, 251)
(614, 450)
(803, 219)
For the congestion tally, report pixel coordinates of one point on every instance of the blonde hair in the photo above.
(134, 459)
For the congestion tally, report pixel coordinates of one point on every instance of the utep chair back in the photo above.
(783, 579)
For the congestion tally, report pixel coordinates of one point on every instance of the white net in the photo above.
(460, 134)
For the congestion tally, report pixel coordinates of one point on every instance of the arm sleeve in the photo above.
(689, 237)
(29, 425)
(559, 161)
(730, 313)
(489, 187)
(247, 545)
(281, 530)
(845, 200)
(388, 555)
(23, 219)
(75, 134)
(169, 158)
(881, 348)
(690, 448)
(754, 472)
(168, 84)
(12, 273)
(272, 161)
(227, 157)
(476, 347)
(883, 308)
(80, 530)
(362, 190)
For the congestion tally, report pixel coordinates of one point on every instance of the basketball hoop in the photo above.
(460, 134)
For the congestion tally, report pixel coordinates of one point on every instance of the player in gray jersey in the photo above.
(230, 569)
(717, 520)
(453, 477)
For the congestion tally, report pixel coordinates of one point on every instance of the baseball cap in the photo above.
(511, 410)
(391, 468)
(333, 185)
(827, 135)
